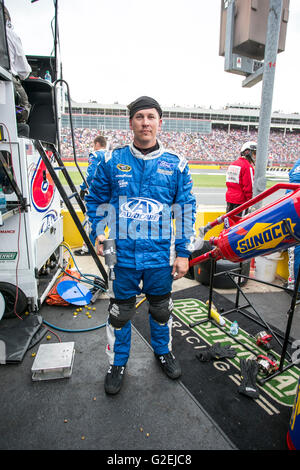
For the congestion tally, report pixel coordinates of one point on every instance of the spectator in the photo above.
(219, 146)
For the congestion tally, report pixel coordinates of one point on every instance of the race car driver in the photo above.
(240, 176)
(139, 193)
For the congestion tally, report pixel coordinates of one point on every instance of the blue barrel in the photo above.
(293, 435)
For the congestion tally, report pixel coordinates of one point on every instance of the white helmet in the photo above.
(252, 146)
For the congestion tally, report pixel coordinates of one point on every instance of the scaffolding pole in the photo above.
(271, 48)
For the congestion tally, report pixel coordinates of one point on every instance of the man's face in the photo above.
(98, 146)
(145, 124)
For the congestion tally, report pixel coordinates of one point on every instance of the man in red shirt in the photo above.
(240, 176)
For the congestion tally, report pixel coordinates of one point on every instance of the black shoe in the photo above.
(169, 365)
(81, 253)
(114, 379)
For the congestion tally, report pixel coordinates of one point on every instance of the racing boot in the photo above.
(161, 337)
(114, 379)
(117, 349)
(169, 365)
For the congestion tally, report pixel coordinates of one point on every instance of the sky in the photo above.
(113, 51)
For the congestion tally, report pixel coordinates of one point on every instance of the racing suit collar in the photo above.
(149, 156)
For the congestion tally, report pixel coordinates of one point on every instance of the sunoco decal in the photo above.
(280, 389)
(264, 236)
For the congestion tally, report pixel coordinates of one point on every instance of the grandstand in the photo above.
(200, 134)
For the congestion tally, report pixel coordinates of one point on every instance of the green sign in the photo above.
(8, 255)
(280, 389)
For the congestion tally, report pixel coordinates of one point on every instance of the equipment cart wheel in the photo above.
(10, 292)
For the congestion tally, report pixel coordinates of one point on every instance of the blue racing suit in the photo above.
(94, 158)
(148, 205)
(294, 252)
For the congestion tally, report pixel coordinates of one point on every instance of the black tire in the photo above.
(202, 270)
(9, 292)
(224, 281)
(193, 269)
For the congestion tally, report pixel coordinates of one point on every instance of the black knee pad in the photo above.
(160, 307)
(121, 311)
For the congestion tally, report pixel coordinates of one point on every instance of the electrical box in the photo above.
(250, 27)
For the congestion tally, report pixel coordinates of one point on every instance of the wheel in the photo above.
(9, 292)
(202, 271)
(2, 305)
(192, 272)
(225, 282)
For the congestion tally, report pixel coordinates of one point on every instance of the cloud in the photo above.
(114, 50)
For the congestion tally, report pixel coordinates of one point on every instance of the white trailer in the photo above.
(31, 227)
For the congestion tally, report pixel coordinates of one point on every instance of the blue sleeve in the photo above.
(294, 174)
(99, 194)
(93, 162)
(91, 170)
(184, 213)
(83, 186)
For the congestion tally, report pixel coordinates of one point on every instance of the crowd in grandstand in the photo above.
(219, 146)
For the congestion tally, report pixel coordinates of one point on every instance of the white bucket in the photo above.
(266, 266)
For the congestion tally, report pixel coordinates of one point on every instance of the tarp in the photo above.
(16, 336)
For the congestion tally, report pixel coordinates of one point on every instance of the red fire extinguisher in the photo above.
(271, 228)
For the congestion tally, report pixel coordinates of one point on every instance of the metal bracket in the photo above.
(236, 63)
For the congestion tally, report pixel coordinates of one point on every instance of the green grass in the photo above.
(217, 181)
(75, 176)
(209, 181)
(200, 181)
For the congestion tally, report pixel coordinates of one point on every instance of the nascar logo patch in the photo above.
(123, 167)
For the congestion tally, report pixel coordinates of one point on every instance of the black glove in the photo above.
(205, 355)
(249, 371)
(217, 351)
(82, 193)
